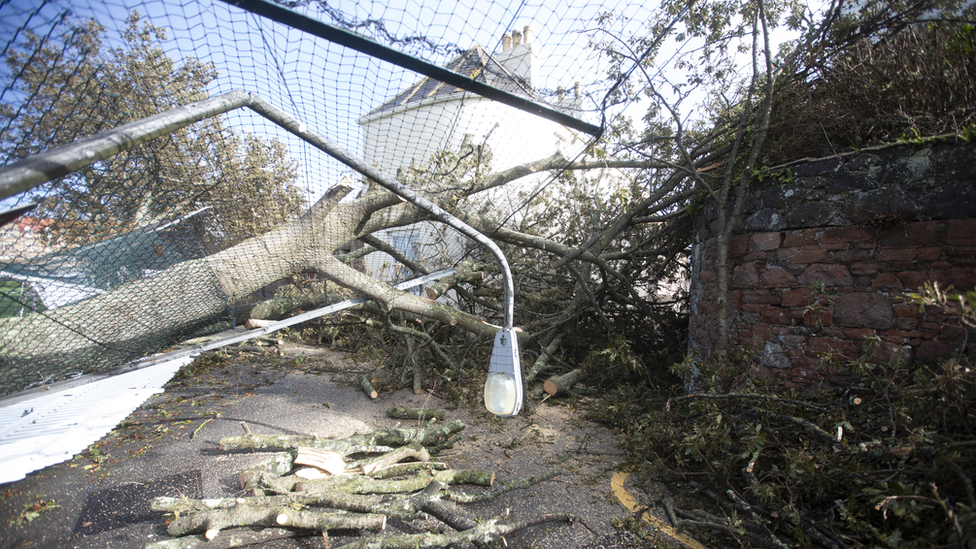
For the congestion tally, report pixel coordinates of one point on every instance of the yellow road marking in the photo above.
(628, 501)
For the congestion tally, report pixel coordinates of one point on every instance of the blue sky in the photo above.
(328, 86)
(325, 85)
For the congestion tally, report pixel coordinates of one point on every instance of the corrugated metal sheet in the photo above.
(53, 427)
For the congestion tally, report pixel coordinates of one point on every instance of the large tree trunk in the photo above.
(151, 314)
(111, 328)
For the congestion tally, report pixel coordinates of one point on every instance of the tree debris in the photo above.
(368, 387)
(561, 385)
(401, 482)
(433, 439)
(403, 412)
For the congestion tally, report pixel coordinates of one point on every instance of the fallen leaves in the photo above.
(33, 510)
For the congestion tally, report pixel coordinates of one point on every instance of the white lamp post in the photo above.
(503, 390)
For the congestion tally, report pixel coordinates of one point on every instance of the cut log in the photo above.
(432, 438)
(562, 384)
(309, 507)
(238, 537)
(368, 387)
(311, 473)
(367, 485)
(517, 485)
(212, 522)
(488, 530)
(253, 323)
(403, 469)
(543, 361)
(466, 271)
(254, 476)
(423, 414)
(358, 503)
(411, 451)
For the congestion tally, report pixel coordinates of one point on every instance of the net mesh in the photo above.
(173, 238)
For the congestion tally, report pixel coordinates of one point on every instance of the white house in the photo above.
(431, 116)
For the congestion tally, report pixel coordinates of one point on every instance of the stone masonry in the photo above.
(822, 261)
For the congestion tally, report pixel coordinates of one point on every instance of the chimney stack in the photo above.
(519, 54)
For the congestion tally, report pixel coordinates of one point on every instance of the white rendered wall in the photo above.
(395, 139)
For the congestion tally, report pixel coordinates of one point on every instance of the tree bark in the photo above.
(253, 477)
(211, 284)
(368, 387)
(429, 437)
(308, 505)
(482, 532)
(212, 522)
(358, 503)
(367, 485)
(466, 271)
(238, 537)
(411, 451)
(543, 361)
(403, 412)
(280, 307)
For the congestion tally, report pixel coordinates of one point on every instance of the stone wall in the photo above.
(825, 253)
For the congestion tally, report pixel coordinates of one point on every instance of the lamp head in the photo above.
(503, 390)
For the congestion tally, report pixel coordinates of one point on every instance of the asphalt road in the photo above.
(169, 448)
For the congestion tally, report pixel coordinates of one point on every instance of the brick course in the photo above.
(803, 293)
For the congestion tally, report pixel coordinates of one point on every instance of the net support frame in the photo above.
(36, 170)
(372, 48)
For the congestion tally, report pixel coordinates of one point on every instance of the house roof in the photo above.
(476, 64)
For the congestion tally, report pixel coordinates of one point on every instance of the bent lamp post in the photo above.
(503, 390)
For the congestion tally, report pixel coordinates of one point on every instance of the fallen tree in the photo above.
(112, 328)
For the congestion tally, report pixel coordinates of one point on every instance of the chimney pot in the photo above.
(560, 93)
(527, 34)
(516, 38)
(576, 89)
(506, 41)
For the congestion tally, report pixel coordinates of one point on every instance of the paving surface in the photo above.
(168, 447)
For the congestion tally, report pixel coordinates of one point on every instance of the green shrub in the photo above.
(885, 462)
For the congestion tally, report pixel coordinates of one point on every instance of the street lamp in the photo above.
(503, 389)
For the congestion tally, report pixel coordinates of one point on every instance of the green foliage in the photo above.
(33, 511)
(969, 134)
(919, 81)
(783, 176)
(70, 85)
(961, 305)
(885, 462)
(12, 296)
(205, 363)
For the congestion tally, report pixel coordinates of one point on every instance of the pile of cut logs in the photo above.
(314, 486)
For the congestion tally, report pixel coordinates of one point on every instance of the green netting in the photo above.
(170, 239)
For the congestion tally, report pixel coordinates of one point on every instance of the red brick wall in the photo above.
(800, 296)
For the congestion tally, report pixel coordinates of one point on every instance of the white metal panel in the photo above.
(52, 427)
